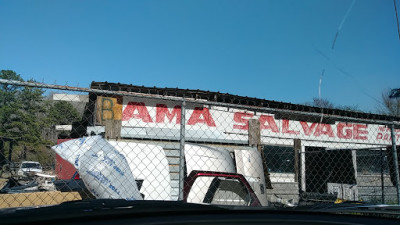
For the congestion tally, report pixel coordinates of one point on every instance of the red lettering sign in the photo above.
(387, 137)
(270, 123)
(285, 128)
(345, 130)
(201, 115)
(324, 129)
(307, 130)
(162, 111)
(141, 109)
(359, 130)
(239, 118)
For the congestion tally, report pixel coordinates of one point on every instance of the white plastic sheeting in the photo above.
(110, 169)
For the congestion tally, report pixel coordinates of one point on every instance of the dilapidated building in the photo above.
(305, 150)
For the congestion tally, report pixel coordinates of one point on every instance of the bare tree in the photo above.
(327, 104)
(322, 103)
(390, 106)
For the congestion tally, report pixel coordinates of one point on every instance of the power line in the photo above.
(397, 18)
(358, 84)
(341, 23)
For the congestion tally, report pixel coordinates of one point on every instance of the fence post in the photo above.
(113, 129)
(2, 153)
(182, 151)
(254, 138)
(297, 149)
(255, 134)
(382, 177)
(10, 150)
(396, 163)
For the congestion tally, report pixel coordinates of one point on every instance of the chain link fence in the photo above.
(60, 143)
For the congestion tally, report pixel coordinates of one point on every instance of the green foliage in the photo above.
(9, 96)
(8, 93)
(62, 113)
(20, 114)
(22, 111)
(25, 114)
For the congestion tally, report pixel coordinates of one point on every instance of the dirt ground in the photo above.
(37, 198)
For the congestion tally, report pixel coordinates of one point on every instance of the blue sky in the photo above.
(275, 50)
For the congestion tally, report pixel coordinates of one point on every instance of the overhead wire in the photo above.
(397, 18)
(342, 70)
(347, 74)
(326, 57)
(357, 84)
(341, 23)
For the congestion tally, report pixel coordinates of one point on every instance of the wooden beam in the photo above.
(255, 141)
(113, 129)
(297, 149)
(254, 133)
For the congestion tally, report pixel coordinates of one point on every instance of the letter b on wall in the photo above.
(108, 108)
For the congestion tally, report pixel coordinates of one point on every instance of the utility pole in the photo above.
(395, 93)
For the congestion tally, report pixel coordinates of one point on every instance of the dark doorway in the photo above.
(328, 166)
(316, 172)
